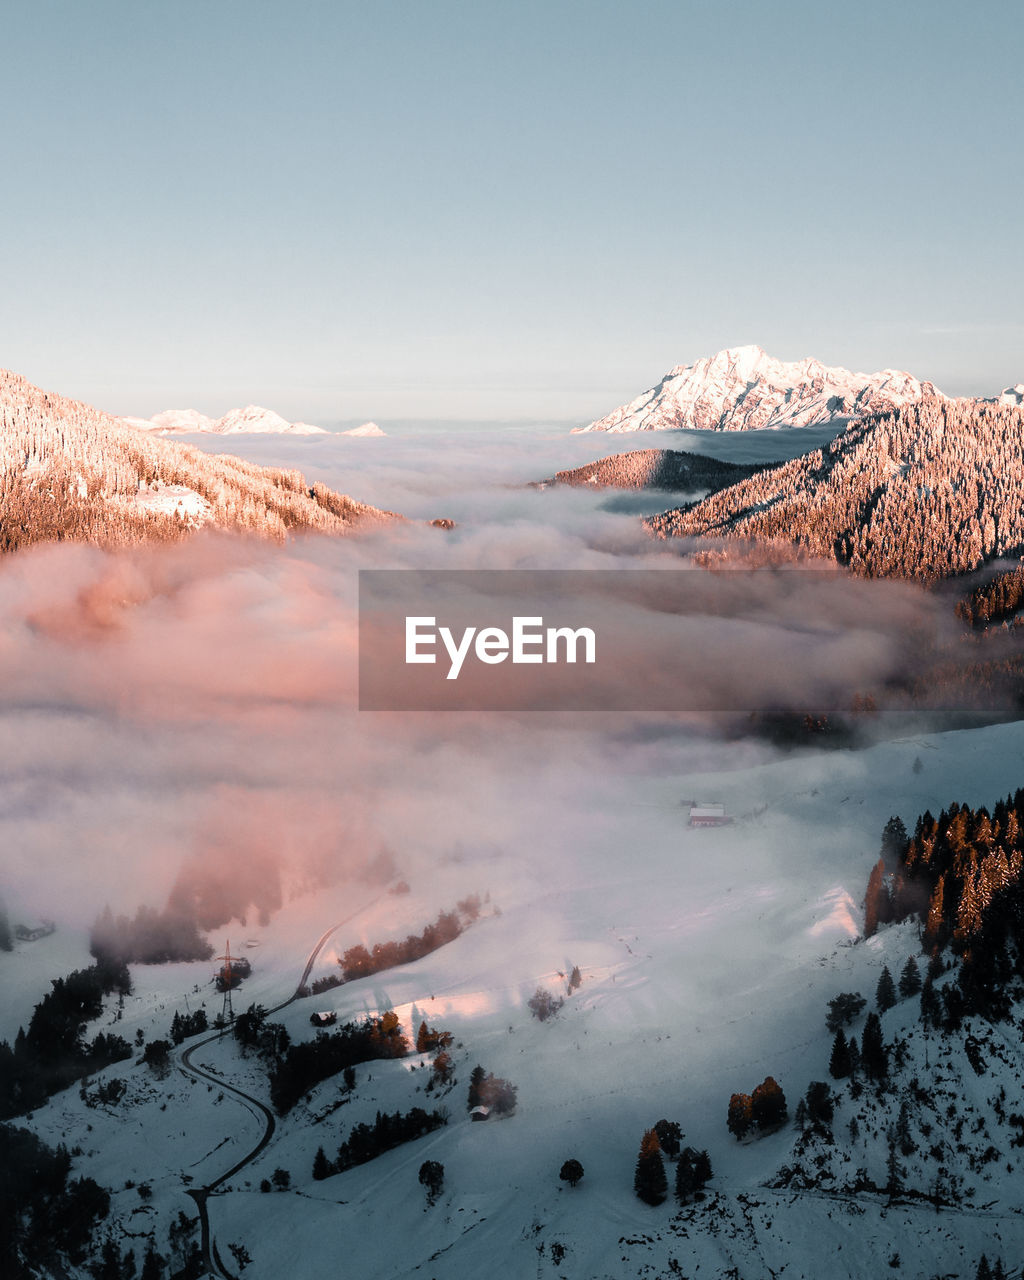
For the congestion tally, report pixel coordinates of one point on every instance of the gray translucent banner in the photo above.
(675, 639)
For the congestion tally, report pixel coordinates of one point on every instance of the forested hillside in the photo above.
(658, 469)
(928, 491)
(71, 472)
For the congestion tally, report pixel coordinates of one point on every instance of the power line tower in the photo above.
(225, 980)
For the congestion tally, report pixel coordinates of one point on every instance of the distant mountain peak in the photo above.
(744, 388)
(366, 431)
(253, 419)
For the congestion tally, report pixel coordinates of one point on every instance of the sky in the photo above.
(481, 211)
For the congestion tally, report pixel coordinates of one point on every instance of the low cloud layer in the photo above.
(198, 701)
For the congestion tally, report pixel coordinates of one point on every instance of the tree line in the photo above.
(361, 962)
(366, 1142)
(53, 1053)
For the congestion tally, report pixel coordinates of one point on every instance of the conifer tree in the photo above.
(741, 1115)
(931, 1005)
(839, 1062)
(768, 1104)
(877, 904)
(152, 1265)
(669, 1137)
(650, 1182)
(910, 979)
(476, 1079)
(984, 1270)
(885, 992)
(686, 1177)
(322, 1167)
(874, 1056)
(431, 1177)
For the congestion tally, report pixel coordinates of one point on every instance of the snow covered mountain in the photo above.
(367, 431)
(743, 389)
(1013, 395)
(928, 492)
(69, 471)
(251, 420)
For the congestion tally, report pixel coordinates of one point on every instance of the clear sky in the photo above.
(500, 210)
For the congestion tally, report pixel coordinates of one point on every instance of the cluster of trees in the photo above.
(432, 1179)
(151, 937)
(359, 962)
(486, 1090)
(762, 1111)
(53, 1052)
(6, 940)
(69, 471)
(429, 1040)
(184, 1025)
(543, 1005)
(301, 1066)
(650, 1181)
(47, 1218)
(996, 600)
(925, 492)
(367, 1141)
(659, 469)
(961, 874)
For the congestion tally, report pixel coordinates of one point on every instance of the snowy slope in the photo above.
(707, 959)
(743, 388)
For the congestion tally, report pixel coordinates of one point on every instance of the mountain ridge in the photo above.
(744, 389)
(71, 472)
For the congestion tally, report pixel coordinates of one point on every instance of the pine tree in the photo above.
(910, 979)
(669, 1137)
(768, 1104)
(322, 1167)
(152, 1265)
(686, 1177)
(650, 1182)
(877, 904)
(984, 1270)
(741, 1115)
(476, 1079)
(931, 1005)
(422, 1039)
(431, 1177)
(885, 992)
(894, 841)
(874, 1056)
(839, 1063)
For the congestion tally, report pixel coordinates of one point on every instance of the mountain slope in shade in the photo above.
(71, 472)
(743, 389)
(926, 492)
(656, 469)
(251, 420)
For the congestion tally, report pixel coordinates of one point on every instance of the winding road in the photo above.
(211, 1257)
